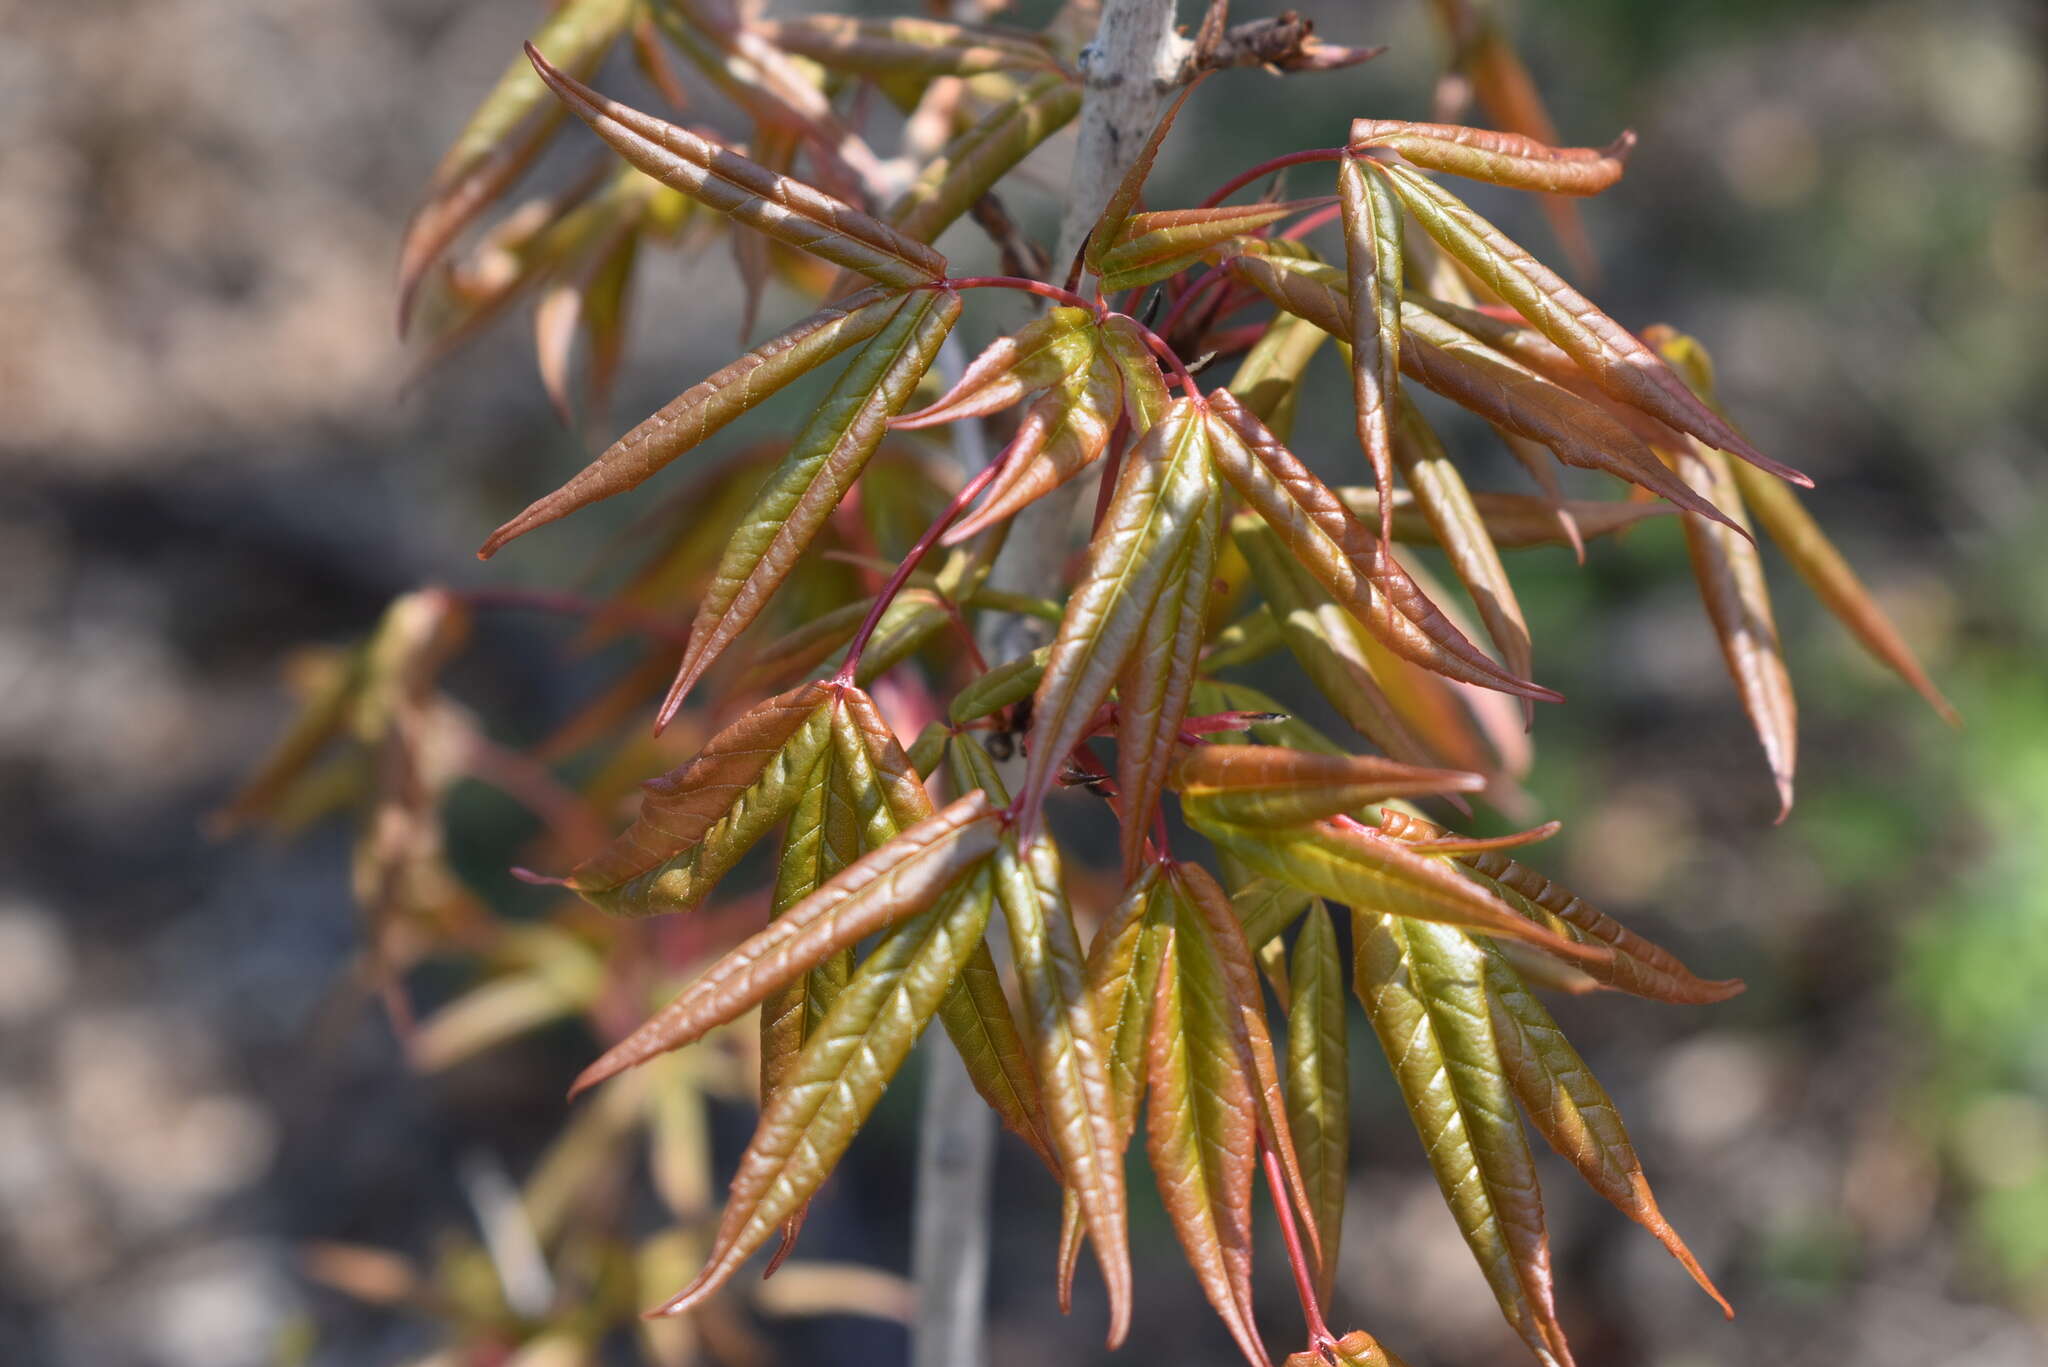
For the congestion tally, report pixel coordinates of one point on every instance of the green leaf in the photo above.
(1615, 357)
(1037, 356)
(890, 884)
(1199, 1131)
(1008, 683)
(1638, 966)
(785, 209)
(1372, 255)
(1145, 393)
(1318, 1080)
(1268, 380)
(502, 137)
(1511, 521)
(704, 408)
(1356, 865)
(1152, 246)
(975, 161)
(1572, 1110)
(1070, 1055)
(1064, 432)
(1343, 556)
(1422, 988)
(1160, 501)
(840, 1076)
(821, 467)
(695, 823)
(1509, 159)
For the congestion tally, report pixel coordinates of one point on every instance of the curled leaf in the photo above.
(1509, 159)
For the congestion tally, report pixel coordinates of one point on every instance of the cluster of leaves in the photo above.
(1213, 545)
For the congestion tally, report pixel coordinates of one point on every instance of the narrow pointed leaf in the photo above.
(1152, 693)
(1357, 866)
(1511, 521)
(502, 137)
(1200, 1136)
(1266, 785)
(1570, 1108)
(1372, 255)
(781, 207)
(1509, 159)
(1123, 201)
(1068, 1050)
(827, 457)
(976, 160)
(1610, 353)
(1638, 966)
(1153, 246)
(1145, 393)
(904, 45)
(1343, 555)
(899, 880)
(840, 1076)
(1007, 683)
(1462, 531)
(1037, 356)
(1738, 603)
(824, 836)
(698, 412)
(1159, 503)
(1319, 1081)
(1064, 432)
(1422, 988)
(695, 823)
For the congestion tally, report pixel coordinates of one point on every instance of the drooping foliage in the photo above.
(833, 583)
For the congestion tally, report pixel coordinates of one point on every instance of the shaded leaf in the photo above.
(1318, 1081)
(1372, 256)
(1123, 201)
(972, 163)
(1007, 683)
(782, 207)
(1355, 1349)
(1511, 521)
(904, 45)
(1422, 988)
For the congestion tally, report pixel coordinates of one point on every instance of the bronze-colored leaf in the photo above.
(1265, 785)
(1372, 256)
(1509, 159)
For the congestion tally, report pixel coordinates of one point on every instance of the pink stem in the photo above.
(1266, 168)
(1297, 1259)
(967, 495)
(1215, 276)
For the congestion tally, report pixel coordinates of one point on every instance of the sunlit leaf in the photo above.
(1063, 432)
(1509, 159)
(1160, 502)
(1152, 246)
(1422, 986)
(1266, 785)
(1037, 356)
(899, 880)
(1123, 201)
(701, 410)
(1570, 1108)
(1355, 1349)
(1372, 256)
(822, 465)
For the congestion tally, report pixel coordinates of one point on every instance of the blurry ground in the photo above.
(205, 463)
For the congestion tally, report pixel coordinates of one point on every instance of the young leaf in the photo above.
(1068, 1049)
(1007, 683)
(1200, 1135)
(1738, 602)
(1610, 353)
(1372, 256)
(1638, 966)
(1318, 1081)
(1355, 865)
(1511, 521)
(1160, 500)
(502, 136)
(904, 45)
(1152, 692)
(1145, 393)
(1509, 159)
(1153, 246)
(979, 157)
(1355, 1349)
(1462, 531)
(784, 208)
(824, 836)
(897, 881)
(1572, 1110)
(1265, 785)
(840, 1076)
(701, 410)
(695, 823)
(1422, 988)
(1037, 356)
(1343, 555)
(1062, 434)
(827, 457)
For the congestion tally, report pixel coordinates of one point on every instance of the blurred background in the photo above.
(207, 463)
